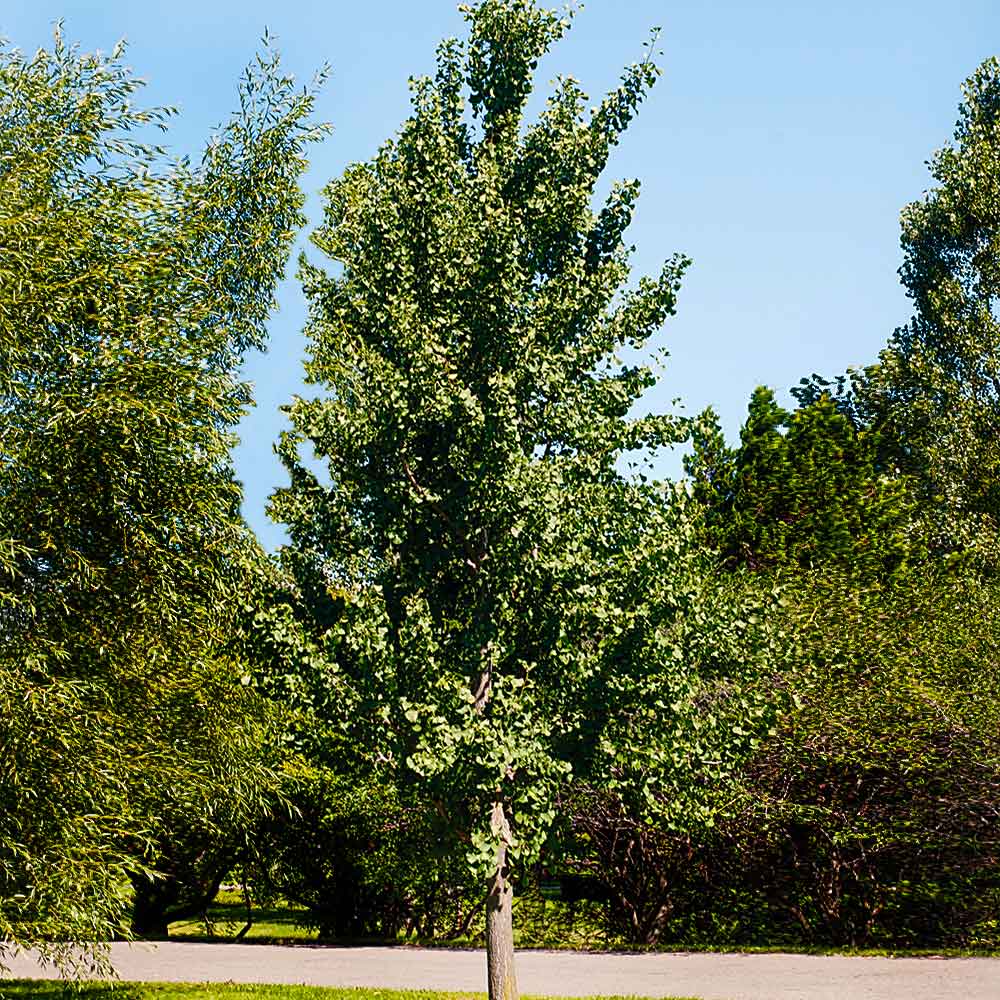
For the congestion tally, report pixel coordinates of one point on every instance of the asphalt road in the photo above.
(562, 973)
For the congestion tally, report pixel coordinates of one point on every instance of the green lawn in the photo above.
(538, 923)
(227, 916)
(40, 990)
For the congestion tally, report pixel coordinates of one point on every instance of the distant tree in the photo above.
(804, 488)
(517, 613)
(130, 289)
(934, 396)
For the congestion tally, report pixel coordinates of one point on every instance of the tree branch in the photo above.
(473, 559)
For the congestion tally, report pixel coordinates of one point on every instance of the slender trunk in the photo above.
(500, 970)
(500, 973)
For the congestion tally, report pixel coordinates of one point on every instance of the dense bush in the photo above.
(882, 790)
(361, 859)
(870, 818)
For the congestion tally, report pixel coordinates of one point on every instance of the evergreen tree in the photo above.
(804, 488)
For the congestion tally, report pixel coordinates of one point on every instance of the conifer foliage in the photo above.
(804, 488)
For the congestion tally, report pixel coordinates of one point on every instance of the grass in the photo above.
(44, 990)
(227, 915)
(538, 923)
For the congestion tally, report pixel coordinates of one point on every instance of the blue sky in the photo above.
(776, 151)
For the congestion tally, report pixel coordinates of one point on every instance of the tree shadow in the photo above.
(57, 989)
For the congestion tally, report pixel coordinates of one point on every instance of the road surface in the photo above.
(561, 973)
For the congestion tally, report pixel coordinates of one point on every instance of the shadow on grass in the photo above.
(276, 924)
(58, 990)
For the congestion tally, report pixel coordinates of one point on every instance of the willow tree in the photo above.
(130, 288)
(513, 612)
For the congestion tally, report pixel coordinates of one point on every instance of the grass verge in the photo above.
(50, 990)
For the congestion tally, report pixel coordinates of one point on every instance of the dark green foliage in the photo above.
(346, 845)
(884, 784)
(517, 612)
(870, 818)
(279, 634)
(362, 861)
(485, 645)
(804, 488)
(203, 827)
(638, 872)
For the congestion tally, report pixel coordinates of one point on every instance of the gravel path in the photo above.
(562, 973)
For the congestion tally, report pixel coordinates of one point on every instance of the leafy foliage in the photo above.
(880, 793)
(204, 825)
(805, 488)
(868, 819)
(517, 613)
(490, 628)
(129, 290)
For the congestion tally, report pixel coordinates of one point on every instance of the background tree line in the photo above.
(756, 706)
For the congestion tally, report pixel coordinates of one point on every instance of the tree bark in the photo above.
(500, 970)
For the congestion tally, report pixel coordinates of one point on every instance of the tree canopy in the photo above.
(934, 395)
(804, 488)
(517, 612)
(130, 288)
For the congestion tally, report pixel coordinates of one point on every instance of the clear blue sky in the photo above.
(777, 152)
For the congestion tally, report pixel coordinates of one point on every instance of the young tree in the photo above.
(130, 289)
(515, 612)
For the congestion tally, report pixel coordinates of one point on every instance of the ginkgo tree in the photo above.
(509, 611)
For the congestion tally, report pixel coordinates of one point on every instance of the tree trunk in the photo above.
(500, 933)
(149, 914)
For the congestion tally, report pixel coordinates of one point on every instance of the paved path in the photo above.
(563, 973)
